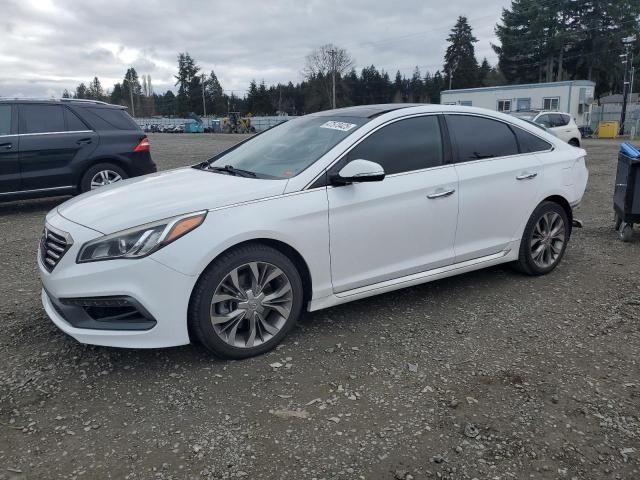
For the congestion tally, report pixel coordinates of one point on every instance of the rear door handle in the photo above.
(6, 146)
(527, 176)
(84, 141)
(446, 193)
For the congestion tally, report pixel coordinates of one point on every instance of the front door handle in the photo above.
(84, 141)
(446, 193)
(6, 146)
(527, 176)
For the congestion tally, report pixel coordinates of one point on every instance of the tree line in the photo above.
(540, 41)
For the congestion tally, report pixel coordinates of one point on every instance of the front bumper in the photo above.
(161, 292)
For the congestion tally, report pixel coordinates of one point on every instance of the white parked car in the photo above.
(321, 210)
(560, 124)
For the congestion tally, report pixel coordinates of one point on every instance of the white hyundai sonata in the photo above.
(318, 211)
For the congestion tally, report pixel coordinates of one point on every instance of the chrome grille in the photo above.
(53, 246)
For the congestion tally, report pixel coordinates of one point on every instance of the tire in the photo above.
(626, 232)
(95, 170)
(222, 316)
(617, 221)
(574, 142)
(539, 238)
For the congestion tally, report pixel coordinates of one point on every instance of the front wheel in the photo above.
(246, 302)
(544, 240)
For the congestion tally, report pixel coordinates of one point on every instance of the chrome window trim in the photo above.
(510, 125)
(46, 133)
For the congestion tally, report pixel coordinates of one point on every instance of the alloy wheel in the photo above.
(547, 240)
(251, 304)
(104, 177)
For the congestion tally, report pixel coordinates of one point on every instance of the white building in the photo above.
(573, 96)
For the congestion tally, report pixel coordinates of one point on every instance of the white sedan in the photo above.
(321, 210)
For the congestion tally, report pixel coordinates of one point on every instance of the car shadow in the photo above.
(20, 207)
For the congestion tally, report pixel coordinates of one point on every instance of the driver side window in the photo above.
(403, 146)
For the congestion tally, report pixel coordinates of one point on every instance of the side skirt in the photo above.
(411, 280)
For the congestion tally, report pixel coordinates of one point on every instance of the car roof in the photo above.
(366, 111)
(74, 101)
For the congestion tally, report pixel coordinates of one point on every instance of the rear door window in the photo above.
(5, 119)
(74, 124)
(42, 118)
(478, 138)
(403, 146)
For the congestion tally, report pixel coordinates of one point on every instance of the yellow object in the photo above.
(608, 129)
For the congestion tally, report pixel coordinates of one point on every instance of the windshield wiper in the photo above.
(233, 171)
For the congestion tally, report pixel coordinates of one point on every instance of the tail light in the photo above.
(143, 145)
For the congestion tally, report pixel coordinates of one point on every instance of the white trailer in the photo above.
(572, 96)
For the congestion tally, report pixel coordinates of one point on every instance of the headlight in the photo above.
(140, 241)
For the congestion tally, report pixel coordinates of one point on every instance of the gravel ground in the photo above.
(488, 375)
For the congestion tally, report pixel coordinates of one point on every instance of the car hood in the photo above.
(162, 195)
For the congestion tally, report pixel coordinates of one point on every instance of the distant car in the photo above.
(560, 124)
(67, 146)
(321, 210)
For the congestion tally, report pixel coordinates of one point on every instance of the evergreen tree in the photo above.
(460, 64)
(483, 72)
(131, 91)
(215, 99)
(95, 90)
(189, 85)
(81, 91)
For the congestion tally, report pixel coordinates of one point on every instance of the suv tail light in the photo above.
(143, 145)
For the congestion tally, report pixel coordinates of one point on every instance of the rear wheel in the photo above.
(544, 240)
(246, 302)
(100, 175)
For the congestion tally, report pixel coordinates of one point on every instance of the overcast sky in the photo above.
(50, 45)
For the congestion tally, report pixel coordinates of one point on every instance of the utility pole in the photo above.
(626, 84)
(204, 106)
(332, 52)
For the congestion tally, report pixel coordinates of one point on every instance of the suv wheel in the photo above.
(100, 175)
(246, 302)
(544, 240)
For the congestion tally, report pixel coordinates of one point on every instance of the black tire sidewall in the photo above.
(200, 304)
(525, 258)
(85, 182)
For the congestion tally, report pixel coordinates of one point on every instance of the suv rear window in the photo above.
(42, 119)
(110, 118)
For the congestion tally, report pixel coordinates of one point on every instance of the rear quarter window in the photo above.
(110, 118)
(530, 143)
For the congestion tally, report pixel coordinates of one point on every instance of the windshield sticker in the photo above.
(342, 126)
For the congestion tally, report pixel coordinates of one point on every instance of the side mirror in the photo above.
(359, 171)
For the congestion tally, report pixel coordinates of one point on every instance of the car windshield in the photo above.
(287, 149)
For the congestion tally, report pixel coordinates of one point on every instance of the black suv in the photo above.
(67, 146)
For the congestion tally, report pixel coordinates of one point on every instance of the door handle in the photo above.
(446, 193)
(84, 141)
(6, 146)
(527, 176)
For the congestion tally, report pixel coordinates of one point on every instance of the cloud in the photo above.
(52, 45)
